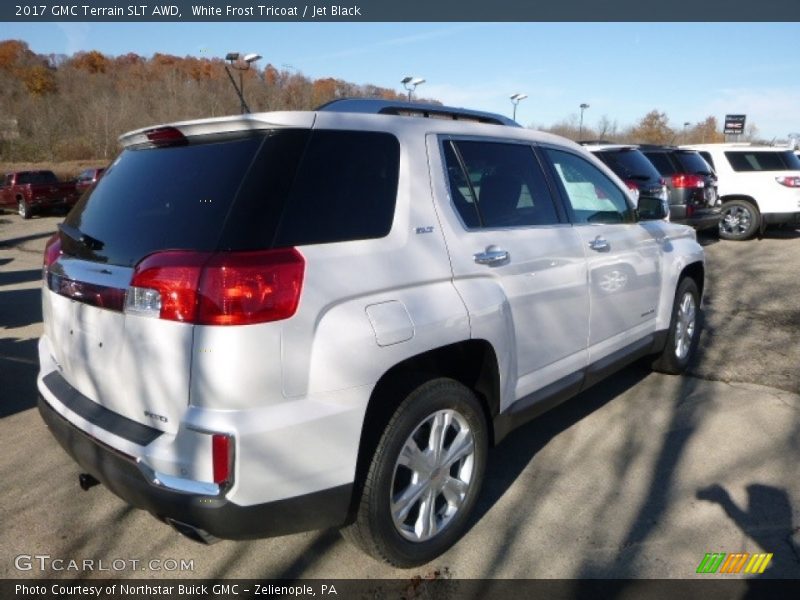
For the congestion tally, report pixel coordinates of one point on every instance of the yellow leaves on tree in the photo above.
(39, 80)
(92, 62)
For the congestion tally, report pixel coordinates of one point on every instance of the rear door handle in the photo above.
(599, 244)
(492, 256)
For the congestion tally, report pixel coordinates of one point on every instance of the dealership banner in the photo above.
(404, 10)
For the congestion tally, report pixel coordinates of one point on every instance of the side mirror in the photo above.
(652, 209)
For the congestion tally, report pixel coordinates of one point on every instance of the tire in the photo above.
(740, 220)
(405, 477)
(684, 330)
(24, 209)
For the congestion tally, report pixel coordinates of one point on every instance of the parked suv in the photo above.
(758, 185)
(633, 167)
(691, 184)
(268, 323)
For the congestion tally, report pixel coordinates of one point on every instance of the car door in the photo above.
(623, 256)
(514, 254)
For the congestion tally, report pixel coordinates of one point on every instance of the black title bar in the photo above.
(404, 11)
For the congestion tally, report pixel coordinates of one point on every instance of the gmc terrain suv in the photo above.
(691, 185)
(758, 186)
(268, 323)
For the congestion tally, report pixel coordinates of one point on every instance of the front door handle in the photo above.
(494, 255)
(599, 244)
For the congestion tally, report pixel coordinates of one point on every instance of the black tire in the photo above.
(374, 529)
(740, 220)
(674, 358)
(24, 209)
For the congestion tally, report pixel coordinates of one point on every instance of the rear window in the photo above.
(661, 162)
(41, 177)
(263, 190)
(692, 162)
(763, 161)
(629, 163)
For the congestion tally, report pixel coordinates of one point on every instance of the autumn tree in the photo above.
(653, 128)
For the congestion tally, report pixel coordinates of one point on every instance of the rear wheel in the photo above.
(425, 476)
(24, 209)
(740, 220)
(683, 330)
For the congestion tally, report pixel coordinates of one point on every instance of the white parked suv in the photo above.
(758, 186)
(268, 323)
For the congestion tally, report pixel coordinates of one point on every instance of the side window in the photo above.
(594, 198)
(499, 185)
(345, 189)
(707, 157)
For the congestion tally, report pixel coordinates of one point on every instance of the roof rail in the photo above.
(413, 109)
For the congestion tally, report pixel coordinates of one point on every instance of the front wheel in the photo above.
(683, 331)
(425, 476)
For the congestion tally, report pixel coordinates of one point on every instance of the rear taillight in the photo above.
(221, 458)
(791, 181)
(634, 187)
(52, 250)
(226, 288)
(687, 180)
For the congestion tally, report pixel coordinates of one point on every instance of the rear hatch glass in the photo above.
(630, 163)
(282, 188)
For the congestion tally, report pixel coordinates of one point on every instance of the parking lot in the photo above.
(639, 477)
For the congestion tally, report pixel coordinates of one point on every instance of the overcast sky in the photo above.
(622, 70)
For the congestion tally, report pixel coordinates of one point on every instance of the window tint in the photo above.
(163, 198)
(707, 157)
(661, 162)
(263, 190)
(762, 161)
(460, 189)
(503, 181)
(692, 162)
(345, 189)
(37, 177)
(594, 198)
(629, 163)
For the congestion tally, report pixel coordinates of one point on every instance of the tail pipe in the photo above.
(87, 481)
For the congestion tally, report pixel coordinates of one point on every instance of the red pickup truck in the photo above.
(32, 191)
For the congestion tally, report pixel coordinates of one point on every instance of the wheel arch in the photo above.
(696, 271)
(742, 197)
(470, 362)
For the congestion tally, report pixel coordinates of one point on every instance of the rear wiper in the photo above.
(82, 238)
(639, 177)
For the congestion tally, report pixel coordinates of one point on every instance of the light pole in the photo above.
(584, 106)
(240, 65)
(516, 99)
(411, 83)
(685, 125)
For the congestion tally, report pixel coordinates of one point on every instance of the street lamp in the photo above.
(685, 125)
(584, 106)
(241, 64)
(411, 83)
(515, 99)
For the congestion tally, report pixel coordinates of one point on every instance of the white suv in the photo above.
(262, 324)
(758, 185)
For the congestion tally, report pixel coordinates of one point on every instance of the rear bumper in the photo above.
(214, 515)
(699, 220)
(792, 218)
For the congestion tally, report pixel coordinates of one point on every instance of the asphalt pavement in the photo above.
(639, 477)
